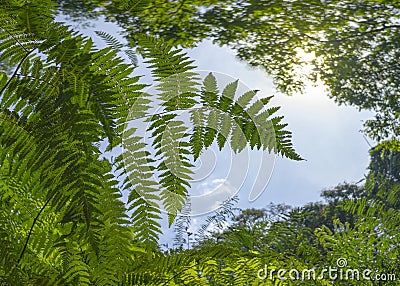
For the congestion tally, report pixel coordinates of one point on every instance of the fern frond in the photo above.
(173, 70)
(143, 197)
(62, 100)
(62, 218)
(110, 40)
(165, 61)
(244, 120)
(197, 143)
(118, 46)
(177, 85)
(174, 166)
(181, 226)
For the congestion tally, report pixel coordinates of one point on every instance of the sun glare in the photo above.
(306, 67)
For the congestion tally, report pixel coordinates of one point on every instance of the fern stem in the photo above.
(178, 109)
(15, 39)
(169, 111)
(16, 71)
(176, 275)
(31, 230)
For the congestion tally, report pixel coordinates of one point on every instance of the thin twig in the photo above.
(12, 36)
(16, 71)
(31, 230)
(367, 32)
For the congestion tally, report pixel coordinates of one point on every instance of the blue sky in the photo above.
(327, 135)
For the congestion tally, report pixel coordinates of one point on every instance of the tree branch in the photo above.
(368, 32)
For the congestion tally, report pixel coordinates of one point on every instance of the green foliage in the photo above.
(63, 220)
(352, 225)
(354, 45)
(62, 101)
(355, 49)
(214, 115)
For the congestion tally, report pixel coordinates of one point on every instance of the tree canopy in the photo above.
(63, 101)
(354, 46)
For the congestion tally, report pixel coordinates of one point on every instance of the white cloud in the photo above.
(218, 191)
